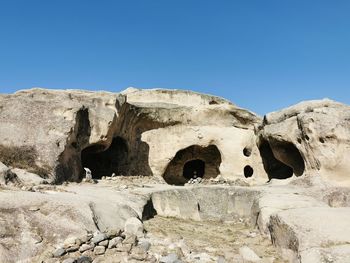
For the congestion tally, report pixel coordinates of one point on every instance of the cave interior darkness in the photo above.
(105, 162)
(193, 161)
(194, 168)
(282, 161)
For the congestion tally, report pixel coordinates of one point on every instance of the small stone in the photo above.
(145, 245)
(69, 260)
(85, 247)
(112, 233)
(134, 226)
(78, 242)
(153, 259)
(51, 260)
(171, 258)
(84, 259)
(72, 248)
(248, 254)
(98, 237)
(88, 253)
(114, 242)
(85, 238)
(99, 250)
(138, 254)
(59, 252)
(69, 242)
(103, 243)
(252, 234)
(131, 239)
(124, 248)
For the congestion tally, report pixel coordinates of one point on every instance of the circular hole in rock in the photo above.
(307, 137)
(321, 140)
(299, 140)
(248, 171)
(247, 152)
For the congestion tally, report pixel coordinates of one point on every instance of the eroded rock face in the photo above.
(309, 138)
(58, 125)
(172, 134)
(136, 132)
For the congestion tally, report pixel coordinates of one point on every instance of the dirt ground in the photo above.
(213, 238)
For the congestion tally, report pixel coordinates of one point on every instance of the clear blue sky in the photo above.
(262, 55)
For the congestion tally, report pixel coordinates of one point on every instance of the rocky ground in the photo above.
(142, 219)
(208, 241)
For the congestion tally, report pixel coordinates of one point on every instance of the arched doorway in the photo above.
(193, 161)
(105, 162)
(281, 159)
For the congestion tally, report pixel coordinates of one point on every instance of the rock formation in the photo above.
(309, 138)
(136, 132)
(276, 182)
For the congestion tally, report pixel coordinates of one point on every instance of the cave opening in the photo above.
(193, 161)
(281, 159)
(194, 169)
(248, 171)
(105, 162)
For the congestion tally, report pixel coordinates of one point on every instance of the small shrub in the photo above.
(22, 157)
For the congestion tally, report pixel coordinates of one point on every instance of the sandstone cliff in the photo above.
(136, 132)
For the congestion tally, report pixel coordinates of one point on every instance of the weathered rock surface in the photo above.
(309, 138)
(62, 213)
(76, 129)
(218, 155)
(296, 231)
(7, 177)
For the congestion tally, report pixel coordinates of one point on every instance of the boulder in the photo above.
(28, 178)
(248, 255)
(7, 177)
(134, 226)
(311, 137)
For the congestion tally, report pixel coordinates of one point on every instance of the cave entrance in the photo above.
(194, 169)
(194, 160)
(105, 162)
(281, 159)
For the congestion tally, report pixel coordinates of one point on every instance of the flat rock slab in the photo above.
(271, 203)
(336, 254)
(296, 231)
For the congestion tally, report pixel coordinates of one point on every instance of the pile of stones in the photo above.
(196, 180)
(98, 246)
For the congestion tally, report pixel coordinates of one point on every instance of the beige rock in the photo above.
(7, 177)
(249, 255)
(309, 138)
(99, 250)
(133, 226)
(79, 128)
(296, 231)
(269, 204)
(27, 178)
